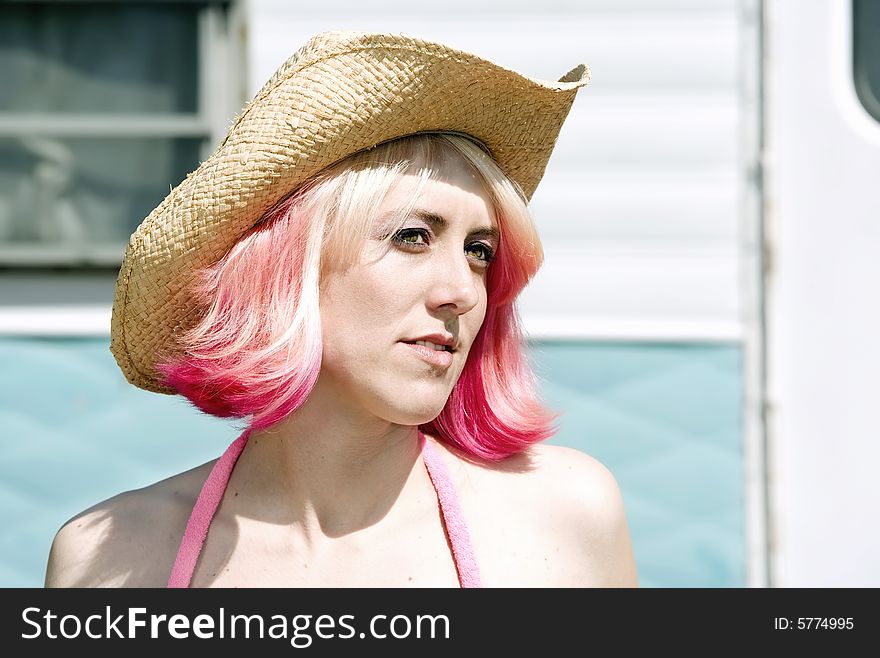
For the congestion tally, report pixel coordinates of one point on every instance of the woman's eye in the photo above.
(485, 251)
(419, 237)
(411, 236)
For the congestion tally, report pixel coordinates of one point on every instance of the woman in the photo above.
(342, 273)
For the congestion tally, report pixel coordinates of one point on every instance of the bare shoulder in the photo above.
(564, 511)
(129, 540)
(580, 485)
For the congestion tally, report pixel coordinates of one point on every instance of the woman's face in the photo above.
(431, 281)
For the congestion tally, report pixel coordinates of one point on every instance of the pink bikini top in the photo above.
(215, 486)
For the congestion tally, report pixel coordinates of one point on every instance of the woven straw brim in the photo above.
(341, 93)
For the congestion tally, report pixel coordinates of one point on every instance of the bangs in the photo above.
(364, 180)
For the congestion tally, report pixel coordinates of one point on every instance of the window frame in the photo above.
(220, 93)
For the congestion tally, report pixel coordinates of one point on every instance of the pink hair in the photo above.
(494, 410)
(236, 360)
(256, 352)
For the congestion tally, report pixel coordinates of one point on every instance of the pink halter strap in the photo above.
(212, 492)
(453, 517)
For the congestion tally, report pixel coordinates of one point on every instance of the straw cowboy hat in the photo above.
(340, 93)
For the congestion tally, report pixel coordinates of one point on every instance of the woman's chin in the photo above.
(417, 414)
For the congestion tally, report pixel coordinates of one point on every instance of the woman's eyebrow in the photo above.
(438, 223)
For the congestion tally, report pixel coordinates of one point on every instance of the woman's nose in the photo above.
(455, 284)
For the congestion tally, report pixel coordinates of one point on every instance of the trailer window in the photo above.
(866, 54)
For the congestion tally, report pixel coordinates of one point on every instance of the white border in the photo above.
(94, 320)
(752, 287)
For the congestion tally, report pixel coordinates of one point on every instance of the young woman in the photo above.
(342, 274)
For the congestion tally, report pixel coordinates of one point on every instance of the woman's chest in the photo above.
(253, 556)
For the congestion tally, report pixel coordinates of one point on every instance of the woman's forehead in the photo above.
(451, 195)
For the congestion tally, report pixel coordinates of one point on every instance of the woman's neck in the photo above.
(329, 472)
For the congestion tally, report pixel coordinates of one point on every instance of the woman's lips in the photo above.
(440, 358)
